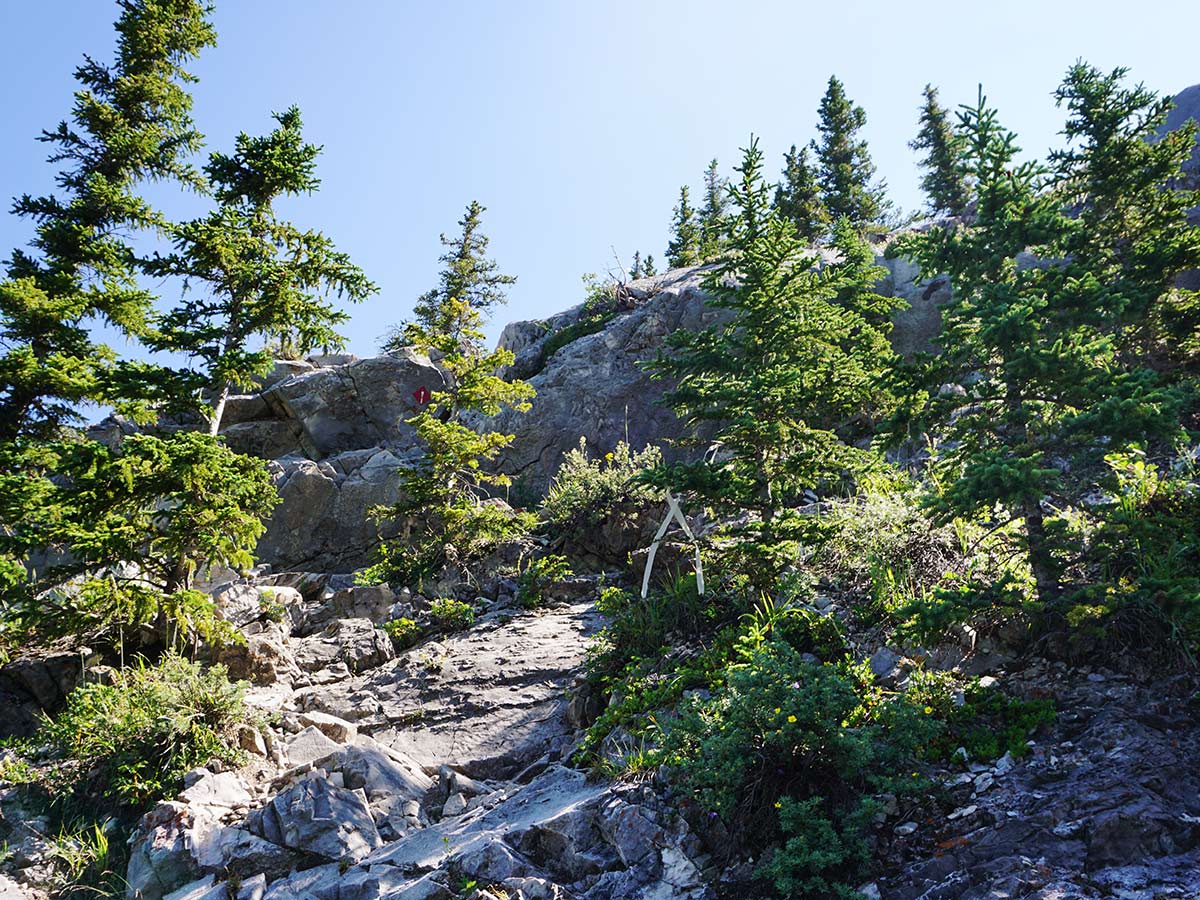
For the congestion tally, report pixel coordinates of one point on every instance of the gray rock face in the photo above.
(491, 699)
(318, 818)
(323, 521)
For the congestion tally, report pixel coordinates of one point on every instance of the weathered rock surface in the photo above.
(1109, 805)
(489, 700)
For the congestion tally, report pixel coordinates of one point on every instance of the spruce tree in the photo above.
(943, 181)
(635, 271)
(131, 124)
(249, 273)
(648, 267)
(683, 249)
(444, 509)
(798, 197)
(844, 168)
(713, 225)
(799, 355)
(1039, 350)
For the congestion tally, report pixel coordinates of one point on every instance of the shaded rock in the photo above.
(317, 818)
(355, 642)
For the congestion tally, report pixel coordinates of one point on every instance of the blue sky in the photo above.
(574, 123)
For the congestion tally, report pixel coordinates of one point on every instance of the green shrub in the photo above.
(599, 308)
(793, 751)
(129, 744)
(585, 492)
(986, 722)
(451, 614)
(404, 633)
(537, 575)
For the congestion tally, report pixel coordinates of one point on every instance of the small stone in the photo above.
(454, 805)
(984, 782)
(331, 726)
(988, 681)
(1005, 764)
(906, 829)
(964, 811)
(1096, 677)
(960, 755)
(870, 891)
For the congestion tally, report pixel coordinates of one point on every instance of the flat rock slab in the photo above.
(490, 699)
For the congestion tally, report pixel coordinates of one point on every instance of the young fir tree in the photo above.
(134, 524)
(683, 249)
(844, 168)
(445, 511)
(1038, 348)
(131, 123)
(636, 271)
(798, 197)
(138, 520)
(713, 225)
(799, 355)
(250, 274)
(943, 181)
(648, 267)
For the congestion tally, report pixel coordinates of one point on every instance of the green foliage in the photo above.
(944, 182)
(684, 246)
(130, 124)
(587, 492)
(452, 615)
(129, 744)
(87, 864)
(1043, 352)
(404, 633)
(537, 575)
(448, 518)
(844, 168)
(800, 355)
(138, 522)
(811, 743)
(798, 197)
(713, 222)
(599, 308)
(985, 722)
(256, 274)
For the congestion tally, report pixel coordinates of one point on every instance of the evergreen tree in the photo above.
(943, 182)
(713, 225)
(131, 123)
(844, 168)
(444, 508)
(798, 198)
(799, 355)
(263, 276)
(683, 249)
(648, 267)
(635, 271)
(1038, 349)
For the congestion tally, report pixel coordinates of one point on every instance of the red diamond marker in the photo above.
(422, 395)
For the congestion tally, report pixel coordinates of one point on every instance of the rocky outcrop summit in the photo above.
(336, 437)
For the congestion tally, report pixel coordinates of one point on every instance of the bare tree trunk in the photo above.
(214, 421)
(1041, 561)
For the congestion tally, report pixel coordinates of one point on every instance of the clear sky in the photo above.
(573, 122)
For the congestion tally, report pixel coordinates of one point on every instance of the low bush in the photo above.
(452, 615)
(587, 492)
(793, 751)
(404, 633)
(129, 743)
(537, 575)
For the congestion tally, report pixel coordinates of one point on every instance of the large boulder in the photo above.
(363, 404)
(323, 521)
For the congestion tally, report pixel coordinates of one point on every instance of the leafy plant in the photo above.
(451, 614)
(404, 632)
(537, 575)
(129, 743)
